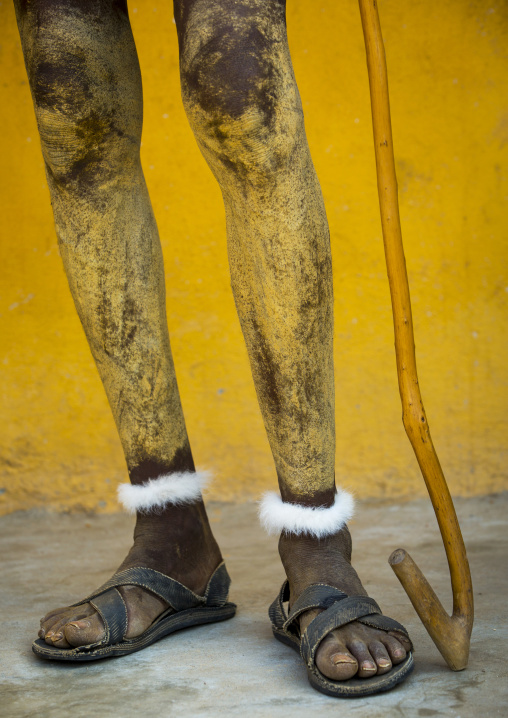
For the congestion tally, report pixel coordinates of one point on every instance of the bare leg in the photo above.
(243, 104)
(86, 86)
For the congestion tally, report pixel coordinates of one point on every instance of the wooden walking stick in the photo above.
(451, 634)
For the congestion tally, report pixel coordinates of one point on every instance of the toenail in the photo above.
(56, 636)
(49, 635)
(368, 667)
(339, 658)
(80, 624)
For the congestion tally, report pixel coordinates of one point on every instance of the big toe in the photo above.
(85, 631)
(335, 661)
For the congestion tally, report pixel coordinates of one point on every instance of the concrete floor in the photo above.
(236, 667)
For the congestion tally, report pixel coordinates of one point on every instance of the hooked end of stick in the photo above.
(450, 633)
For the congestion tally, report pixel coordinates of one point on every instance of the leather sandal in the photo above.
(339, 610)
(186, 609)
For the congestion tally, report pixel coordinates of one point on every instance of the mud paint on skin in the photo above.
(86, 86)
(242, 102)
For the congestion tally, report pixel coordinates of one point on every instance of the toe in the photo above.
(50, 627)
(54, 614)
(46, 623)
(403, 640)
(380, 655)
(367, 666)
(56, 633)
(84, 631)
(341, 665)
(59, 641)
(56, 623)
(335, 661)
(395, 649)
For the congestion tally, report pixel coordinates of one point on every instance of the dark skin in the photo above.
(242, 102)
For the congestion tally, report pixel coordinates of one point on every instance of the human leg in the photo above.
(242, 102)
(86, 86)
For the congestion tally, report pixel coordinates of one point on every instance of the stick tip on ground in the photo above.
(397, 556)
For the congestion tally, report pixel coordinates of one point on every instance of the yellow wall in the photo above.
(449, 92)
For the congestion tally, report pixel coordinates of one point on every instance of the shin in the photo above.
(86, 86)
(242, 102)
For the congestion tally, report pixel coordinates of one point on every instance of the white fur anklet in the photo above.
(175, 489)
(278, 516)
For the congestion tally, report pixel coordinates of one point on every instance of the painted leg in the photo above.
(86, 86)
(242, 102)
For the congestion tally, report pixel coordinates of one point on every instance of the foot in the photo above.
(177, 542)
(352, 650)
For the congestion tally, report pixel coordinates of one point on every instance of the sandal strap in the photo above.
(318, 595)
(276, 611)
(173, 592)
(113, 611)
(217, 591)
(178, 596)
(384, 623)
(339, 614)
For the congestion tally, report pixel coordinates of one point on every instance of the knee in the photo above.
(87, 105)
(238, 87)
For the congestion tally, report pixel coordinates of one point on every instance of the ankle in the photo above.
(178, 542)
(309, 560)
